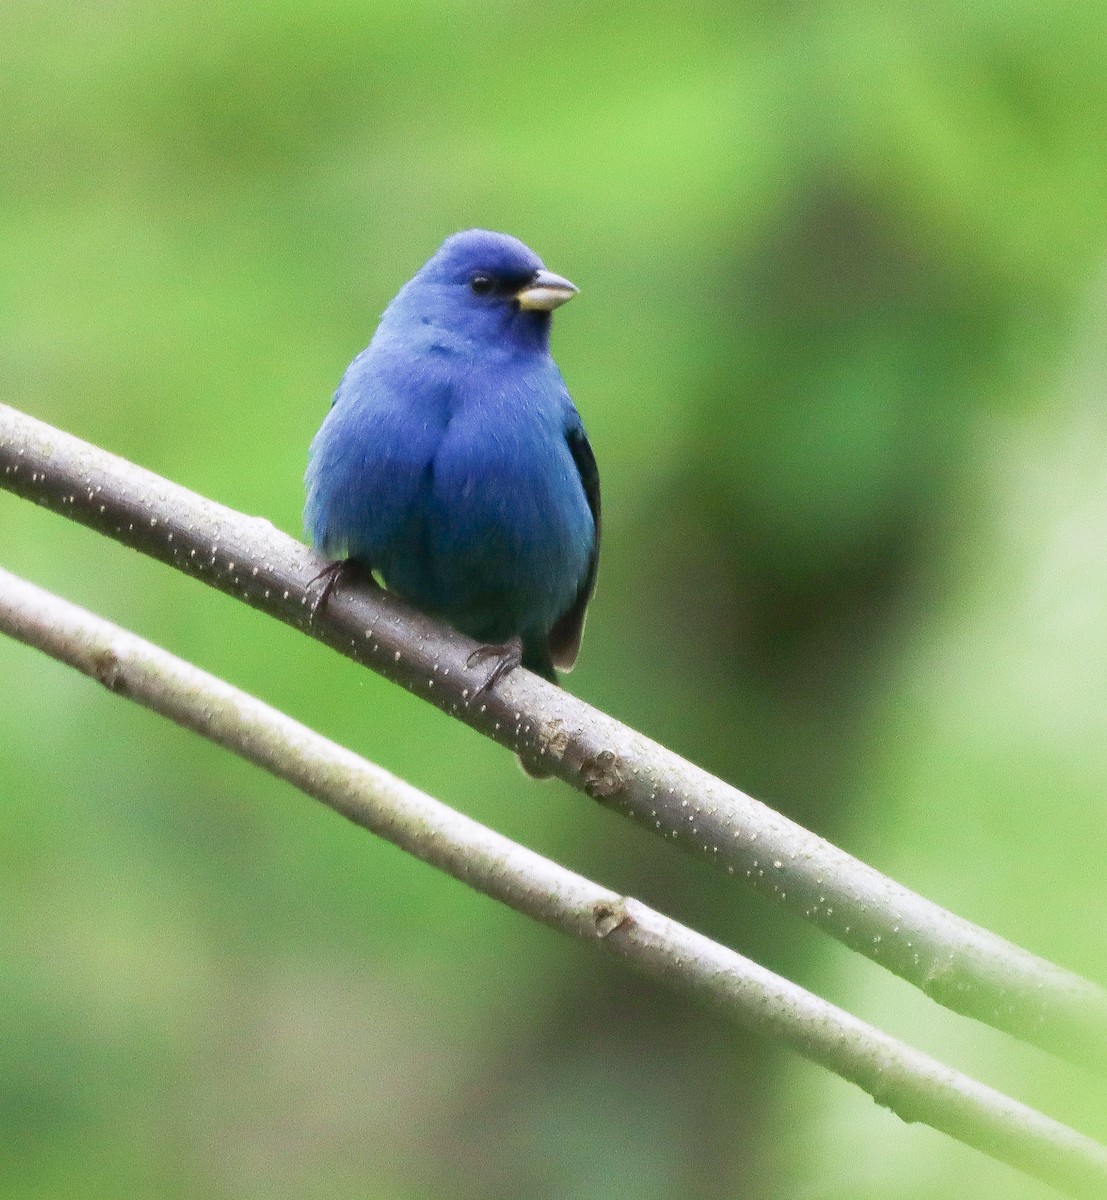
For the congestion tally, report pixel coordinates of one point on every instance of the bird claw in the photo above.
(332, 575)
(507, 656)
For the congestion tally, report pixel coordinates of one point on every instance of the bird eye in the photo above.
(481, 285)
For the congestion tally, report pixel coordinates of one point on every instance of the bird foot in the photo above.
(506, 655)
(344, 570)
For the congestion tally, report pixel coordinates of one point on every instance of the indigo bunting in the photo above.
(454, 465)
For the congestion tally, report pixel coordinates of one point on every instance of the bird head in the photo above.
(485, 284)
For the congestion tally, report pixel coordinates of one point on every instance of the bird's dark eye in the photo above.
(481, 284)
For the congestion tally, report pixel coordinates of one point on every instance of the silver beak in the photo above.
(545, 292)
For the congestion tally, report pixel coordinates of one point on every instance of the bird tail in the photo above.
(538, 660)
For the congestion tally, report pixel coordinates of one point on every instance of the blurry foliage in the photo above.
(839, 347)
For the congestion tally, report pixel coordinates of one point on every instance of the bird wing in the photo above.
(566, 633)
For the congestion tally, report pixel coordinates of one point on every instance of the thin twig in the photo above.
(958, 964)
(904, 1080)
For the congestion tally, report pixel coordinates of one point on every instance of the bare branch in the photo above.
(958, 964)
(902, 1079)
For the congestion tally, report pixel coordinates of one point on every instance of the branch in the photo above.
(958, 964)
(904, 1080)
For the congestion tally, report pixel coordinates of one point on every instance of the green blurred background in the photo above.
(840, 348)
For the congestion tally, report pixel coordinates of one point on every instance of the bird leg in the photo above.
(343, 570)
(506, 655)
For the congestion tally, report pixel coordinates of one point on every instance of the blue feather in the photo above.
(452, 461)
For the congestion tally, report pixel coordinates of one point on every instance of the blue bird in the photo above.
(454, 465)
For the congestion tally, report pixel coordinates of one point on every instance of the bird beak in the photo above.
(545, 292)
